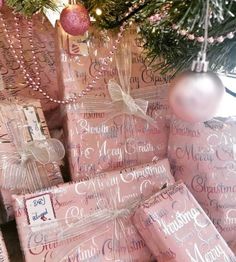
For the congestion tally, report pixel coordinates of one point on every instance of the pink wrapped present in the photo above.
(44, 47)
(99, 137)
(29, 158)
(176, 228)
(81, 57)
(103, 135)
(89, 220)
(203, 156)
(3, 250)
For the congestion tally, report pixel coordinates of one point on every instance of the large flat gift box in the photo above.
(89, 220)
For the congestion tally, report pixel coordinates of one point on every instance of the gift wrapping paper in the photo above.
(99, 137)
(176, 228)
(80, 58)
(72, 202)
(29, 115)
(44, 48)
(3, 250)
(203, 156)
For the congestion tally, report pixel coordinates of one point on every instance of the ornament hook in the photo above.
(201, 64)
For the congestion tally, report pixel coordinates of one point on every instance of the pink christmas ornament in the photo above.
(75, 19)
(195, 97)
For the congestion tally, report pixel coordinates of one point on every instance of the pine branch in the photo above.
(161, 41)
(30, 7)
(178, 52)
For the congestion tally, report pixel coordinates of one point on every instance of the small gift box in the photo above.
(176, 228)
(203, 156)
(89, 220)
(3, 250)
(43, 48)
(29, 158)
(127, 130)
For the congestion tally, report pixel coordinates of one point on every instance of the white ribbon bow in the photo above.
(137, 107)
(85, 228)
(20, 170)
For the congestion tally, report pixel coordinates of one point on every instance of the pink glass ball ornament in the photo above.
(195, 96)
(75, 19)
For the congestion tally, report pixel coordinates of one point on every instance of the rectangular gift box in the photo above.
(3, 250)
(21, 124)
(127, 127)
(176, 228)
(202, 155)
(101, 137)
(89, 220)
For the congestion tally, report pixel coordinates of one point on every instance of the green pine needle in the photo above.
(160, 40)
(30, 7)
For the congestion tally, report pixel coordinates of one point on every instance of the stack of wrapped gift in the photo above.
(136, 214)
(123, 204)
(89, 220)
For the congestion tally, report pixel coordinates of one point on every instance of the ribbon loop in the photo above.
(46, 151)
(136, 107)
(122, 213)
(121, 93)
(20, 170)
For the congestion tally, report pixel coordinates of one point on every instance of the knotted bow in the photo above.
(109, 217)
(136, 107)
(24, 169)
(121, 93)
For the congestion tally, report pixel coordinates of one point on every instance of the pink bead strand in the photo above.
(35, 84)
(200, 39)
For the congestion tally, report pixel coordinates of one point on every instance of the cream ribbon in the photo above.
(84, 228)
(136, 107)
(20, 168)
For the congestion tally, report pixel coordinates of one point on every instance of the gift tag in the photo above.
(77, 45)
(34, 125)
(40, 211)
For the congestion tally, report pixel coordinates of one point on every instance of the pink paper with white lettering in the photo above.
(79, 60)
(69, 202)
(99, 137)
(203, 156)
(176, 228)
(44, 48)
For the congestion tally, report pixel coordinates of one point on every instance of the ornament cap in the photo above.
(201, 64)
